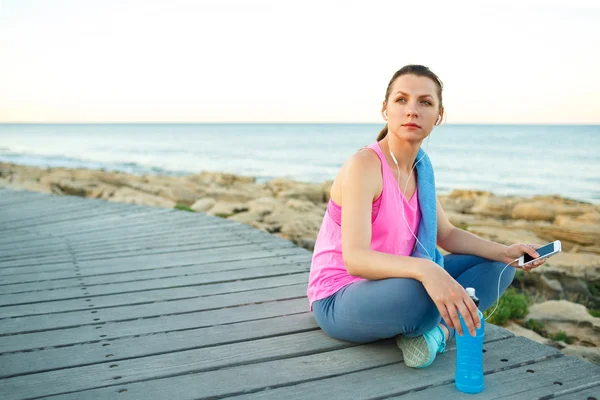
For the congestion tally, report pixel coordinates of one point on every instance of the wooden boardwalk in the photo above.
(114, 301)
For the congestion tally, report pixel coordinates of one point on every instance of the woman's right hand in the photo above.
(450, 298)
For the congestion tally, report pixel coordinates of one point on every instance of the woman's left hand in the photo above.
(517, 250)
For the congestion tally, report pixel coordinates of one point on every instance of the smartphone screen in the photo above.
(542, 251)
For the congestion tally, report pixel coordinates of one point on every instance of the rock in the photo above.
(585, 249)
(327, 190)
(468, 194)
(591, 354)
(456, 205)
(147, 188)
(180, 194)
(225, 210)
(584, 234)
(280, 184)
(493, 206)
(52, 178)
(461, 201)
(302, 206)
(505, 236)
(129, 195)
(75, 188)
(204, 204)
(566, 274)
(103, 190)
(219, 178)
(264, 205)
(571, 318)
(237, 194)
(293, 225)
(116, 179)
(285, 189)
(592, 217)
(548, 285)
(576, 265)
(307, 243)
(518, 330)
(536, 211)
(312, 193)
(250, 218)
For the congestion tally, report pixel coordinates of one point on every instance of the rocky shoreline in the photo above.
(294, 211)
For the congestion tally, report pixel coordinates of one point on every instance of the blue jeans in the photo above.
(366, 311)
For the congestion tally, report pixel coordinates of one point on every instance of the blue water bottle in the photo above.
(469, 355)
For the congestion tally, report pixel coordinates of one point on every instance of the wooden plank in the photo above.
(21, 202)
(254, 377)
(197, 360)
(386, 381)
(548, 377)
(75, 233)
(100, 225)
(173, 260)
(219, 240)
(68, 265)
(72, 216)
(63, 213)
(80, 242)
(39, 323)
(21, 363)
(174, 216)
(81, 245)
(15, 238)
(65, 278)
(589, 391)
(189, 253)
(149, 296)
(132, 220)
(137, 286)
(104, 279)
(171, 323)
(198, 254)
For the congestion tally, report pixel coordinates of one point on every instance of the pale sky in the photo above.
(294, 61)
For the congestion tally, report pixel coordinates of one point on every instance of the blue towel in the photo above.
(427, 233)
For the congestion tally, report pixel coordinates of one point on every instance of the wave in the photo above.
(57, 161)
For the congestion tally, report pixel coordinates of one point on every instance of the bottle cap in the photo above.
(471, 291)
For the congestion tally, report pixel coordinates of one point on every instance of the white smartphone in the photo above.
(545, 251)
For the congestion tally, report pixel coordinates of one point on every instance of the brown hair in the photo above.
(412, 69)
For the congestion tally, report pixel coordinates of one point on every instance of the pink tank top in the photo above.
(389, 235)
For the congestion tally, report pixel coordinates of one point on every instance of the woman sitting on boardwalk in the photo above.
(376, 272)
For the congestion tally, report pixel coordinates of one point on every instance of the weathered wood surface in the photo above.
(114, 301)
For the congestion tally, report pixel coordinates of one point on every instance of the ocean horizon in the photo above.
(505, 159)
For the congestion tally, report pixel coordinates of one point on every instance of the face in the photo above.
(413, 100)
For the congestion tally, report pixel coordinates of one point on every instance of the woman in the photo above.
(376, 272)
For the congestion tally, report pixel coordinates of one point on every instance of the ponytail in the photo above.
(383, 133)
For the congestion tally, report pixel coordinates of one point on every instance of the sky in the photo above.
(521, 62)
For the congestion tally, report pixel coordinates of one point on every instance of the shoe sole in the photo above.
(415, 351)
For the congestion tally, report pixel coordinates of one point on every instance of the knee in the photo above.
(420, 314)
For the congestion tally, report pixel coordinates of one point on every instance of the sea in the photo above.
(521, 160)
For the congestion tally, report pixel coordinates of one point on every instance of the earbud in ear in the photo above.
(385, 114)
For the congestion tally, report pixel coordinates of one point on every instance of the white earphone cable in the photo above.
(404, 194)
(498, 298)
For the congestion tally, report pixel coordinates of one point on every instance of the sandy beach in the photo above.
(565, 292)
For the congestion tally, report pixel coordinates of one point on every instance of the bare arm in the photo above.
(360, 179)
(456, 240)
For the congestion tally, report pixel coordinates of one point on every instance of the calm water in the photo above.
(504, 159)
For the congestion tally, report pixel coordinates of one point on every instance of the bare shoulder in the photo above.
(363, 168)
